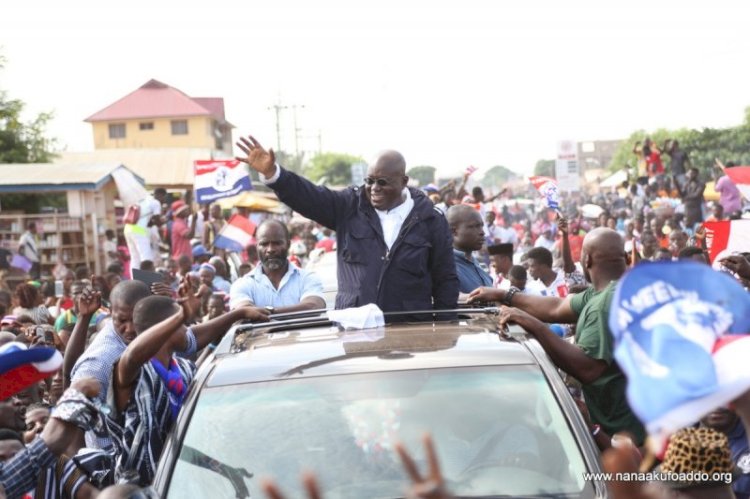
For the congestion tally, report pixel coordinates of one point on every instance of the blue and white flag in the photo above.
(547, 187)
(236, 234)
(681, 337)
(220, 178)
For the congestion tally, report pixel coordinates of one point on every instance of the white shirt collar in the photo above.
(401, 210)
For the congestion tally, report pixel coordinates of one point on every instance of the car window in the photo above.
(497, 431)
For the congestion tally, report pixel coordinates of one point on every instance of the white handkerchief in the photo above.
(364, 317)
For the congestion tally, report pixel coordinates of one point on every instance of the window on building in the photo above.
(146, 125)
(218, 132)
(179, 127)
(117, 131)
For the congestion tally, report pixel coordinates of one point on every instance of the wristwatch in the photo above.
(270, 309)
(509, 295)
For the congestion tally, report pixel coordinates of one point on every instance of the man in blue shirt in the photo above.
(276, 284)
(468, 236)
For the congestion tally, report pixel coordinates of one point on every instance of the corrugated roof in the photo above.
(36, 177)
(159, 167)
(158, 100)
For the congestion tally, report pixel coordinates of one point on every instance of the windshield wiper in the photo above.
(235, 476)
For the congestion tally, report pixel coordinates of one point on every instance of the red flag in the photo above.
(740, 176)
(726, 237)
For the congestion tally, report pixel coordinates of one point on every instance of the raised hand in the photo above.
(190, 301)
(161, 289)
(260, 160)
(737, 264)
(430, 486)
(308, 480)
(89, 302)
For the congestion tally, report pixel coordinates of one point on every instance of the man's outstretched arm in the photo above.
(312, 201)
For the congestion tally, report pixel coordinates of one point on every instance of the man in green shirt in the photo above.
(590, 360)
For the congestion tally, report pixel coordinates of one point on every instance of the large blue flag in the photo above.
(680, 332)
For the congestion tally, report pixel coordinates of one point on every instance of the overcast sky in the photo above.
(446, 83)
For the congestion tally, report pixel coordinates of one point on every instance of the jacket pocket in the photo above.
(414, 255)
(360, 245)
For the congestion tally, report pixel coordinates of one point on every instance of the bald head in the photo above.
(267, 224)
(603, 256)
(604, 241)
(128, 293)
(390, 163)
(459, 213)
(386, 180)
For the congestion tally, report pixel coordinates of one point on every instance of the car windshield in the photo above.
(498, 431)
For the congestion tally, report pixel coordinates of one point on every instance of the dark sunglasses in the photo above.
(382, 181)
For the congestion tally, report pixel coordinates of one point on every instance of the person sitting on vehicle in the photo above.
(276, 284)
(394, 246)
(590, 360)
(150, 383)
(468, 236)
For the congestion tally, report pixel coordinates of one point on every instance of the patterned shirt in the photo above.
(20, 474)
(139, 432)
(97, 361)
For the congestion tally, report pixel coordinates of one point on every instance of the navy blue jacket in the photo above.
(418, 273)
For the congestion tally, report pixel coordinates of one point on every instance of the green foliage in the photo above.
(292, 162)
(545, 167)
(496, 176)
(702, 146)
(34, 203)
(334, 168)
(422, 174)
(22, 142)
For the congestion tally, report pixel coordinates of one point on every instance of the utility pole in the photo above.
(277, 108)
(296, 128)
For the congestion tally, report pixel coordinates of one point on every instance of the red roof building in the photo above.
(157, 115)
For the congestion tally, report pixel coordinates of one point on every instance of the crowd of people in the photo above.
(131, 339)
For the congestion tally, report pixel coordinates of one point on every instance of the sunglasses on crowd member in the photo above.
(381, 181)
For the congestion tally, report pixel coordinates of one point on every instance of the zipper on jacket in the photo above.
(386, 259)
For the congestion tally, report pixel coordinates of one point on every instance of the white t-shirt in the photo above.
(28, 244)
(149, 207)
(558, 287)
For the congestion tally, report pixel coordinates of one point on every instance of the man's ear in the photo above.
(588, 261)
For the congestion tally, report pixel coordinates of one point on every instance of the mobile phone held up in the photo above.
(59, 289)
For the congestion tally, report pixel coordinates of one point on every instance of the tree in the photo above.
(22, 142)
(545, 167)
(25, 142)
(496, 176)
(331, 167)
(422, 174)
(702, 146)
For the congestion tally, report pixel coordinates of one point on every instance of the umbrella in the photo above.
(254, 201)
(591, 210)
